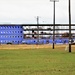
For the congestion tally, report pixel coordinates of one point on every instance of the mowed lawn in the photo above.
(37, 62)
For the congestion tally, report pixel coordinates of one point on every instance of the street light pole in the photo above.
(54, 21)
(69, 27)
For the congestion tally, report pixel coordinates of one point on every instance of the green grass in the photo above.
(37, 62)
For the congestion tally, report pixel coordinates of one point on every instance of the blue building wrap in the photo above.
(11, 34)
(14, 34)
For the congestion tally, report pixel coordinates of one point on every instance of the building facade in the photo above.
(11, 34)
(28, 33)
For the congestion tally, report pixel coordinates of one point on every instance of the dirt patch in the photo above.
(24, 46)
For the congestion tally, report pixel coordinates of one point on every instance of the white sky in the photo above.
(26, 11)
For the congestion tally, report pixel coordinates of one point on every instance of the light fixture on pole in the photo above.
(54, 21)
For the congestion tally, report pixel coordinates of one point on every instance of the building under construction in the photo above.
(33, 33)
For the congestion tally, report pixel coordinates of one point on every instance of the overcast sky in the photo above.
(26, 11)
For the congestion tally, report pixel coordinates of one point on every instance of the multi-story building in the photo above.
(17, 33)
(11, 34)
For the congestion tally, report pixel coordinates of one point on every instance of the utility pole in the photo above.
(54, 26)
(70, 39)
(38, 29)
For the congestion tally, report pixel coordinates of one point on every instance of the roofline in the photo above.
(39, 24)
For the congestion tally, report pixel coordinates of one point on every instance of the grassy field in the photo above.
(39, 61)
